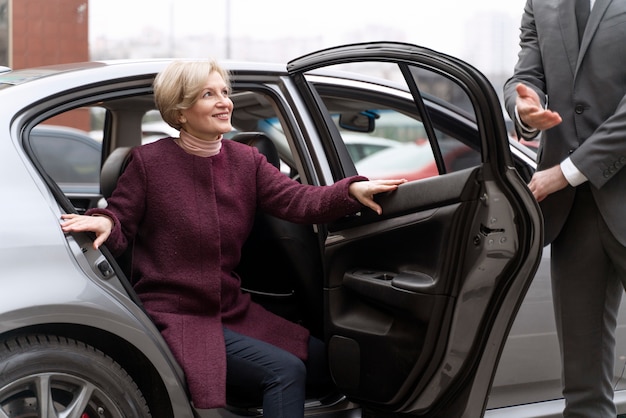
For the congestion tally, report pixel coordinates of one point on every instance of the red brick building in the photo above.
(44, 32)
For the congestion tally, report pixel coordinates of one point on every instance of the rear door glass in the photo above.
(389, 138)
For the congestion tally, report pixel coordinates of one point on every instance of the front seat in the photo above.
(112, 169)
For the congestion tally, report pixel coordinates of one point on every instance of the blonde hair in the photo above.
(179, 85)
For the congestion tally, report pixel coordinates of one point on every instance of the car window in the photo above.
(71, 155)
(70, 147)
(66, 154)
(255, 111)
(390, 139)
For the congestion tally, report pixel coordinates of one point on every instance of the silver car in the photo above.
(415, 306)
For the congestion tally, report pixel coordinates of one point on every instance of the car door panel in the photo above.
(415, 222)
(392, 285)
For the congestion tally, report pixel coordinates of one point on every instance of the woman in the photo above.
(185, 206)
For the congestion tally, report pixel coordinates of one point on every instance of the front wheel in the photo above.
(53, 377)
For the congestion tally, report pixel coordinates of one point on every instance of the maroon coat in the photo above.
(189, 217)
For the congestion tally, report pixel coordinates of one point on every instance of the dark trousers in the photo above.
(588, 273)
(258, 370)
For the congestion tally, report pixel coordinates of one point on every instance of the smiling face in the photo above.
(209, 116)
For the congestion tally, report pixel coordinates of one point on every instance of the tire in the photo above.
(50, 376)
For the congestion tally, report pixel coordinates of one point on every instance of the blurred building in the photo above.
(34, 33)
(42, 32)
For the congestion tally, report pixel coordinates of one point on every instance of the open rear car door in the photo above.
(419, 301)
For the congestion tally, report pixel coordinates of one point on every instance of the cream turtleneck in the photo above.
(200, 147)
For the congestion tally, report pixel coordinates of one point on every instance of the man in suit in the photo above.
(571, 88)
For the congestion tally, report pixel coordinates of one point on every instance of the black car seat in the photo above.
(280, 264)
(112, 169)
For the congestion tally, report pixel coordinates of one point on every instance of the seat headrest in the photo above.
(261, 142)
(112, 169)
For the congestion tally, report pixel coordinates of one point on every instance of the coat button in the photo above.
(606, 174)
(579, 109)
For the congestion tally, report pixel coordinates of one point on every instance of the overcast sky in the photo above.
(444, 25)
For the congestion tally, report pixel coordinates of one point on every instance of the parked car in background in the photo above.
(415, 161)
(415, 305)
(70, 156)
(155, 130)
(361, 147)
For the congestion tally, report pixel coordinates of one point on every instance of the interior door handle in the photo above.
(371, 281)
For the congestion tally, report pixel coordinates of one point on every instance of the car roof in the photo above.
(114, 68)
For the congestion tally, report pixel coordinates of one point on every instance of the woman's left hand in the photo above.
(364, 191)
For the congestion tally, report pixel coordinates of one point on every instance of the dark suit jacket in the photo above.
(586, 87)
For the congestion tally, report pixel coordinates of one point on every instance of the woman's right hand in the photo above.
(99, 224)
(364, 191)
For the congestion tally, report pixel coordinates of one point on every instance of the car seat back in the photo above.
(112, 169)
(280, 263)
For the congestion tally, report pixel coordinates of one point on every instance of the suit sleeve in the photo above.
(602, 155)
(529, 66)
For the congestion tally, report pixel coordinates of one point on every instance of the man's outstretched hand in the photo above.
(531, 112)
